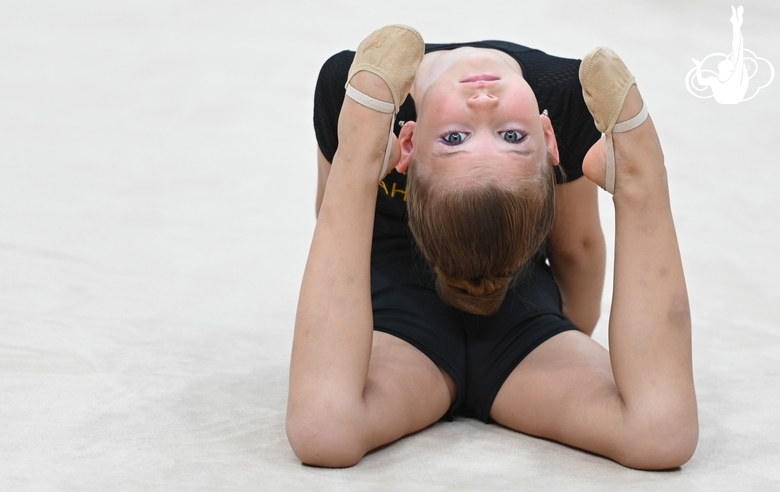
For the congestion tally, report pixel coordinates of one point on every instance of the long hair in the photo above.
(479, 236)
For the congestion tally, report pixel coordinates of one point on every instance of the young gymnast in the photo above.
(469, 280)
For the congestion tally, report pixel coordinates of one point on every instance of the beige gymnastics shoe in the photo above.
(393, 53)
(605, 83)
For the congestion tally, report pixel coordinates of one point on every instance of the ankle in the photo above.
(639, 189)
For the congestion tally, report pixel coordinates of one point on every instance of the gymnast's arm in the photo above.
(577, 252)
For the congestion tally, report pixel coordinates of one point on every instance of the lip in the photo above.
(484, 77)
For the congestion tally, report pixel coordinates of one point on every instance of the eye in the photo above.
(454, 138)
(511, 136)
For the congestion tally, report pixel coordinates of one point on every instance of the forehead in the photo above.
(488, 167)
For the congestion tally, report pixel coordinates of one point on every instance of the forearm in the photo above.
(580, 278)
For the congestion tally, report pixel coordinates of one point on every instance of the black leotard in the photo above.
(478, 352)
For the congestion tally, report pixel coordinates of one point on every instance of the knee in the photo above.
(324, 440)
(661, 444)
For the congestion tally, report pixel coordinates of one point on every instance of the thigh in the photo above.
(406, 306)
(565, 391)
(405, 391)
(496, 344)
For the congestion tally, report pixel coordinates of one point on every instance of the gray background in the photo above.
(157, 179)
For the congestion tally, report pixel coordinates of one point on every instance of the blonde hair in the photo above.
(478, 237)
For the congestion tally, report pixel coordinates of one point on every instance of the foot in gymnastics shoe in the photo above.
(393, 53)
(605, 83)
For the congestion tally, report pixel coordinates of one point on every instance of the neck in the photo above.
(443, 63)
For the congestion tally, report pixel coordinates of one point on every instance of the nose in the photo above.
(482, 100)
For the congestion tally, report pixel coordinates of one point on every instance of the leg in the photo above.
(351, 391)
(637, 404)
(404, 392)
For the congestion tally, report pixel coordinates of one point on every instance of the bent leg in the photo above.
(565, 391)
(637, 406)
(352, 390)
(404, 392)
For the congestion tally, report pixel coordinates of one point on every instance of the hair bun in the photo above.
(481, 296)
(479, 234)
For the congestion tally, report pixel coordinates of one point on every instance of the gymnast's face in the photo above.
(477, 119)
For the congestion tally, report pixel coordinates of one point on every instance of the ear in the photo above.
(549, 138)
(407, 147)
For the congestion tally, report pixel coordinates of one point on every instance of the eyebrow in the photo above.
(447, 155)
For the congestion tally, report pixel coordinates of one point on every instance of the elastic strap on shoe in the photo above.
(370, 102)
(634, 122)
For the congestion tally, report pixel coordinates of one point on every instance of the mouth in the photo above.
(485, 77)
